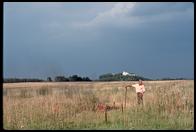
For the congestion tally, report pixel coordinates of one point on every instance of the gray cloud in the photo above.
(130, 14)
(155, 8)
(142, 38)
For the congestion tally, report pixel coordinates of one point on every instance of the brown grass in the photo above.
(70, 105)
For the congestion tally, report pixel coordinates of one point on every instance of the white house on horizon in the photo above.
(124, 73)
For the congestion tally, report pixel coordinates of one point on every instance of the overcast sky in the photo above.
(153, 40)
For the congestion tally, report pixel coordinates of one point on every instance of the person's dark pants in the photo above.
(139, 98)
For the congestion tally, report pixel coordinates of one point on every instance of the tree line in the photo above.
(49, 79)
(14, 80)
(74, 78)
(120, 77)
(70, 79)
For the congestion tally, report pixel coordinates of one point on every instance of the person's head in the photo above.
(140, 82)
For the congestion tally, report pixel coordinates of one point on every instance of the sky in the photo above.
(154, 40)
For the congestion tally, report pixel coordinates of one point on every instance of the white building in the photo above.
(124, 73)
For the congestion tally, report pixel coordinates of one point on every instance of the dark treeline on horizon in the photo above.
(75, 78)
(48, 79)
(14, 80)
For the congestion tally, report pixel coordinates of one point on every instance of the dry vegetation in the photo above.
(73, 105)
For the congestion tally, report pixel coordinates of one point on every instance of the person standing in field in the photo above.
(140, 90)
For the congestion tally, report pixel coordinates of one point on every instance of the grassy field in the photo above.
(73, 105)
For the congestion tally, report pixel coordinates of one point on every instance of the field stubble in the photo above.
(73, 105)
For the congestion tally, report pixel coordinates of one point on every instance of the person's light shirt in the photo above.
(139, 88)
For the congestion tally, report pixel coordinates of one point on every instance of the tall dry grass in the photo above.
(167, 105)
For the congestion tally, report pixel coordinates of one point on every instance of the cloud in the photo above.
(44, 40)
(118, 10)
(158, 8)
(130, 14)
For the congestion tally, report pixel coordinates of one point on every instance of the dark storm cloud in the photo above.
(154, 41)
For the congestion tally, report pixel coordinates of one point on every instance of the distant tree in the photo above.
(61, 79)
(49, 79)
(106, 77)
(86, 79)
(75, 78)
